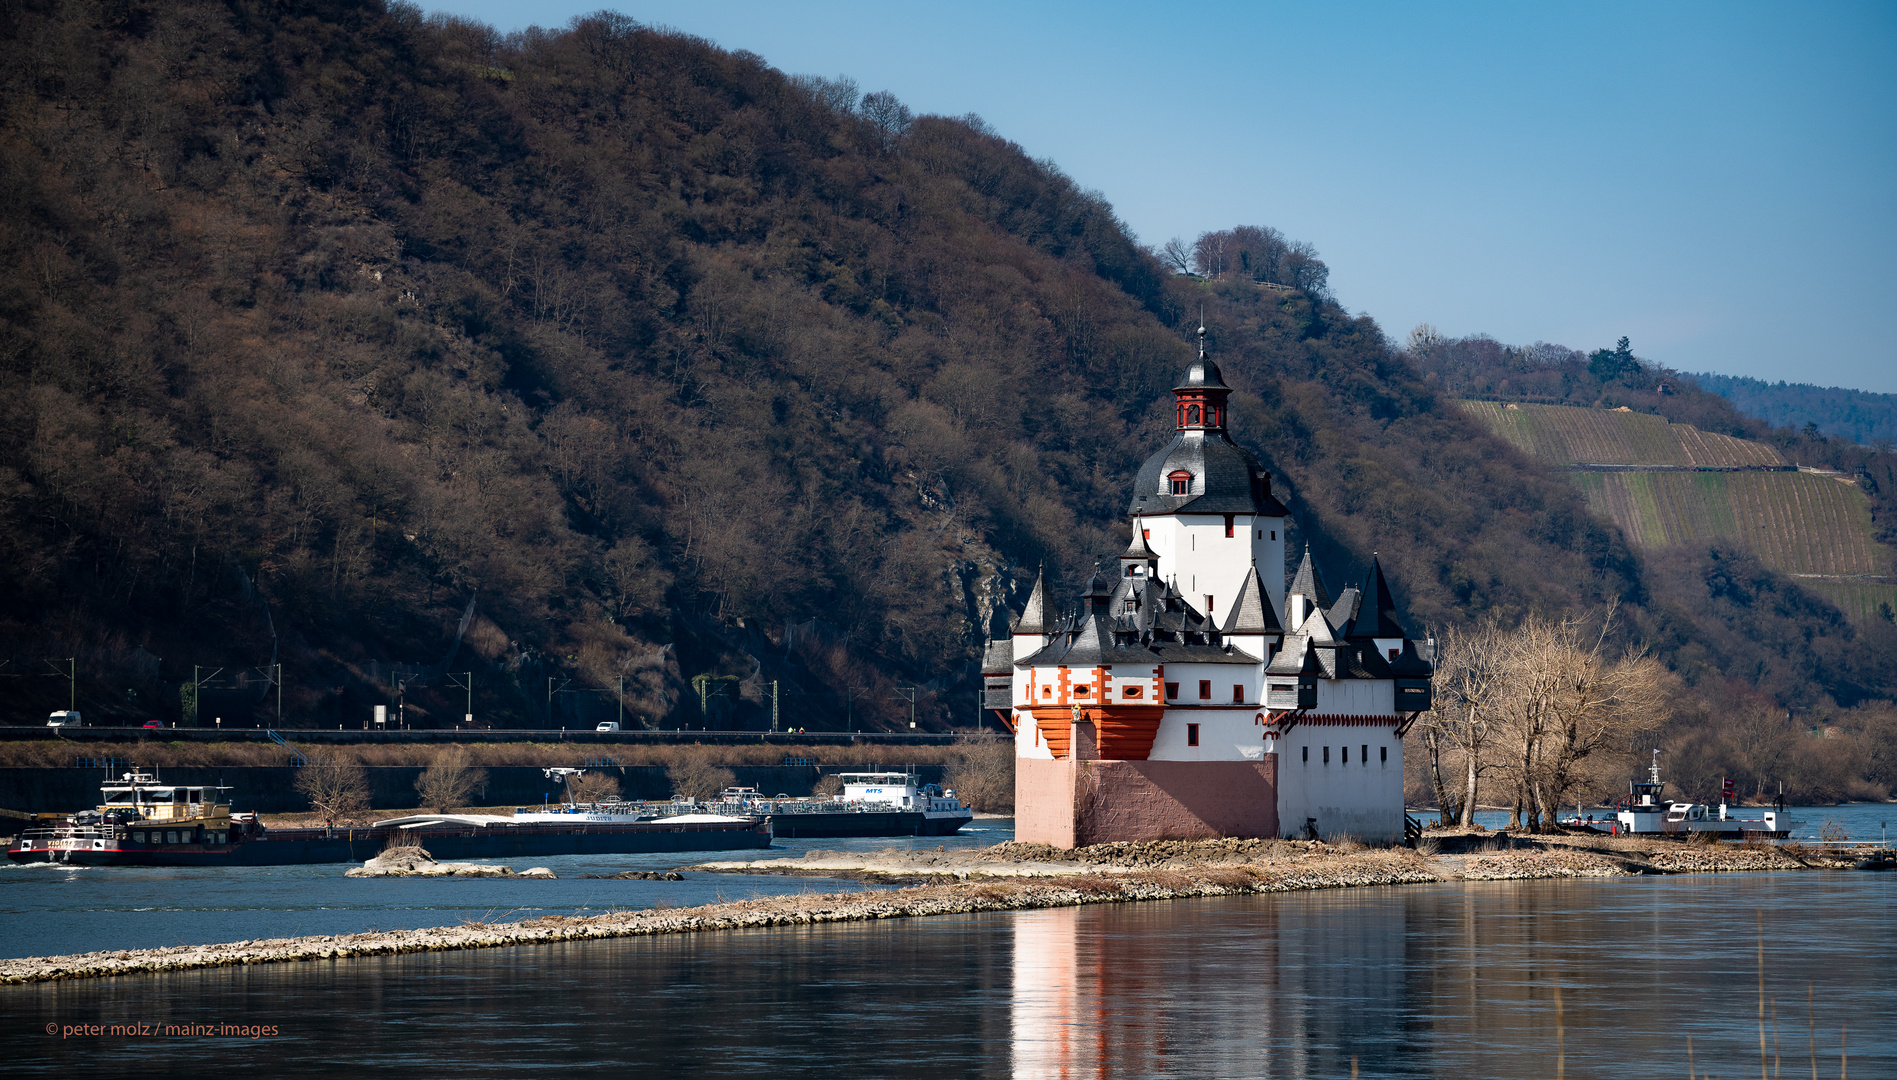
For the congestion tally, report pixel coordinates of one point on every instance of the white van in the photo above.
(610, 725)
(65, 718)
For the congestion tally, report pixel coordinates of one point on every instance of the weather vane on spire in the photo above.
(1201, 331)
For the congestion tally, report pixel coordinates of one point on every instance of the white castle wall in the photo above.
(1195, 553)
(1360, 797)
(1357, 697)
(1224, 735)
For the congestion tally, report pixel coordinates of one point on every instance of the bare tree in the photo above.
(889, 119)
(594, 787)
(982, 774)
(336, 786)
(1471, 680)
(698, 777)
(1176, 255)
(450, 780)
(1567, 702)
(837, 95)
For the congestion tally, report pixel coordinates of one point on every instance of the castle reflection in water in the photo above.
(1117, 991)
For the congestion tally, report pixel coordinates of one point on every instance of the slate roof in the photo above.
(1034, 614)
(1376, 617)
(1139, 620)
(1226, 478)
(1252, 612)
(1202, 374)
(1308, 583)
(1345, 609)
(998, 657)
(1408, 665)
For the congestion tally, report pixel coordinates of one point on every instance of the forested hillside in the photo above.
(1862, 417)
(574, 365)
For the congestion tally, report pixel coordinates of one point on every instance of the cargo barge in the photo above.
(872, 804)
(144, 822)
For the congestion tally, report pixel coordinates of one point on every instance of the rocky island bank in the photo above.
(1010, 876)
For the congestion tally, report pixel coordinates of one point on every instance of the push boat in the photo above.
(145, 822)
(1645, 811)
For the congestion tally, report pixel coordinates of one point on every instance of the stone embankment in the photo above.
(1002, 878)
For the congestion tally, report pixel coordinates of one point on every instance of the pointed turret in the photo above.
(1138, 558)
(1376, 613)
(1034, 615)
(1252, 614)
(1307, 594)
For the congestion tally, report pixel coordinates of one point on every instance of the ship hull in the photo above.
(866, 823)
(292, 847)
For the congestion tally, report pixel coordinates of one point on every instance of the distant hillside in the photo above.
(1862, 417)
(356, 356)
(1571, 436)
(1671, 485)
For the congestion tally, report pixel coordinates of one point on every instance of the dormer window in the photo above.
(1181, 482)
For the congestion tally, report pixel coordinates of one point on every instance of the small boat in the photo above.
(1643, 811)
(145, 822)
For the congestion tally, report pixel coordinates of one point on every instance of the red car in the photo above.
(153, 724)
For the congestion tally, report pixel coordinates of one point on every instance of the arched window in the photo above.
(1192, 414)
(1181, 482)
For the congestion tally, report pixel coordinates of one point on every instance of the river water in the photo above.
(1586, 978)
(51, 910)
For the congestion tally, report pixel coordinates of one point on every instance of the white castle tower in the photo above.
(1194, 693)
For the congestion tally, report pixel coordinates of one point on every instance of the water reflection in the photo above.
(1440, 981)
(1295, 986)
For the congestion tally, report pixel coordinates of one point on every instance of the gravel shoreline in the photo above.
(1006, 877)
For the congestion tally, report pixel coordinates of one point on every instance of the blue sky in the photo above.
(1718, 182)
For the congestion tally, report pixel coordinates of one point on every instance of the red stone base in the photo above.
(1070, 803)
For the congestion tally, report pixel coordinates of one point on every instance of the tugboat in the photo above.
(144, 823)
(1642, 811)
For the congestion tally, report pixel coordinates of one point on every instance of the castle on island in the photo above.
(1194, 693)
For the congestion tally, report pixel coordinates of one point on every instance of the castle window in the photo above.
(1047, 691)
(1383, 754)
(1366, 755)
(1083, 691)
(1132, 691)
(1192, 734)
(1274, 534)
(1192, 414)
(1238, 694)
(1228, 526)
(1208, 603)
(1181, 482)
(1393, 653)
(1307, 755)
(1146, 534)
(1172, 691)
(1327, 755)
(1205, 689)
(1346, 751)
